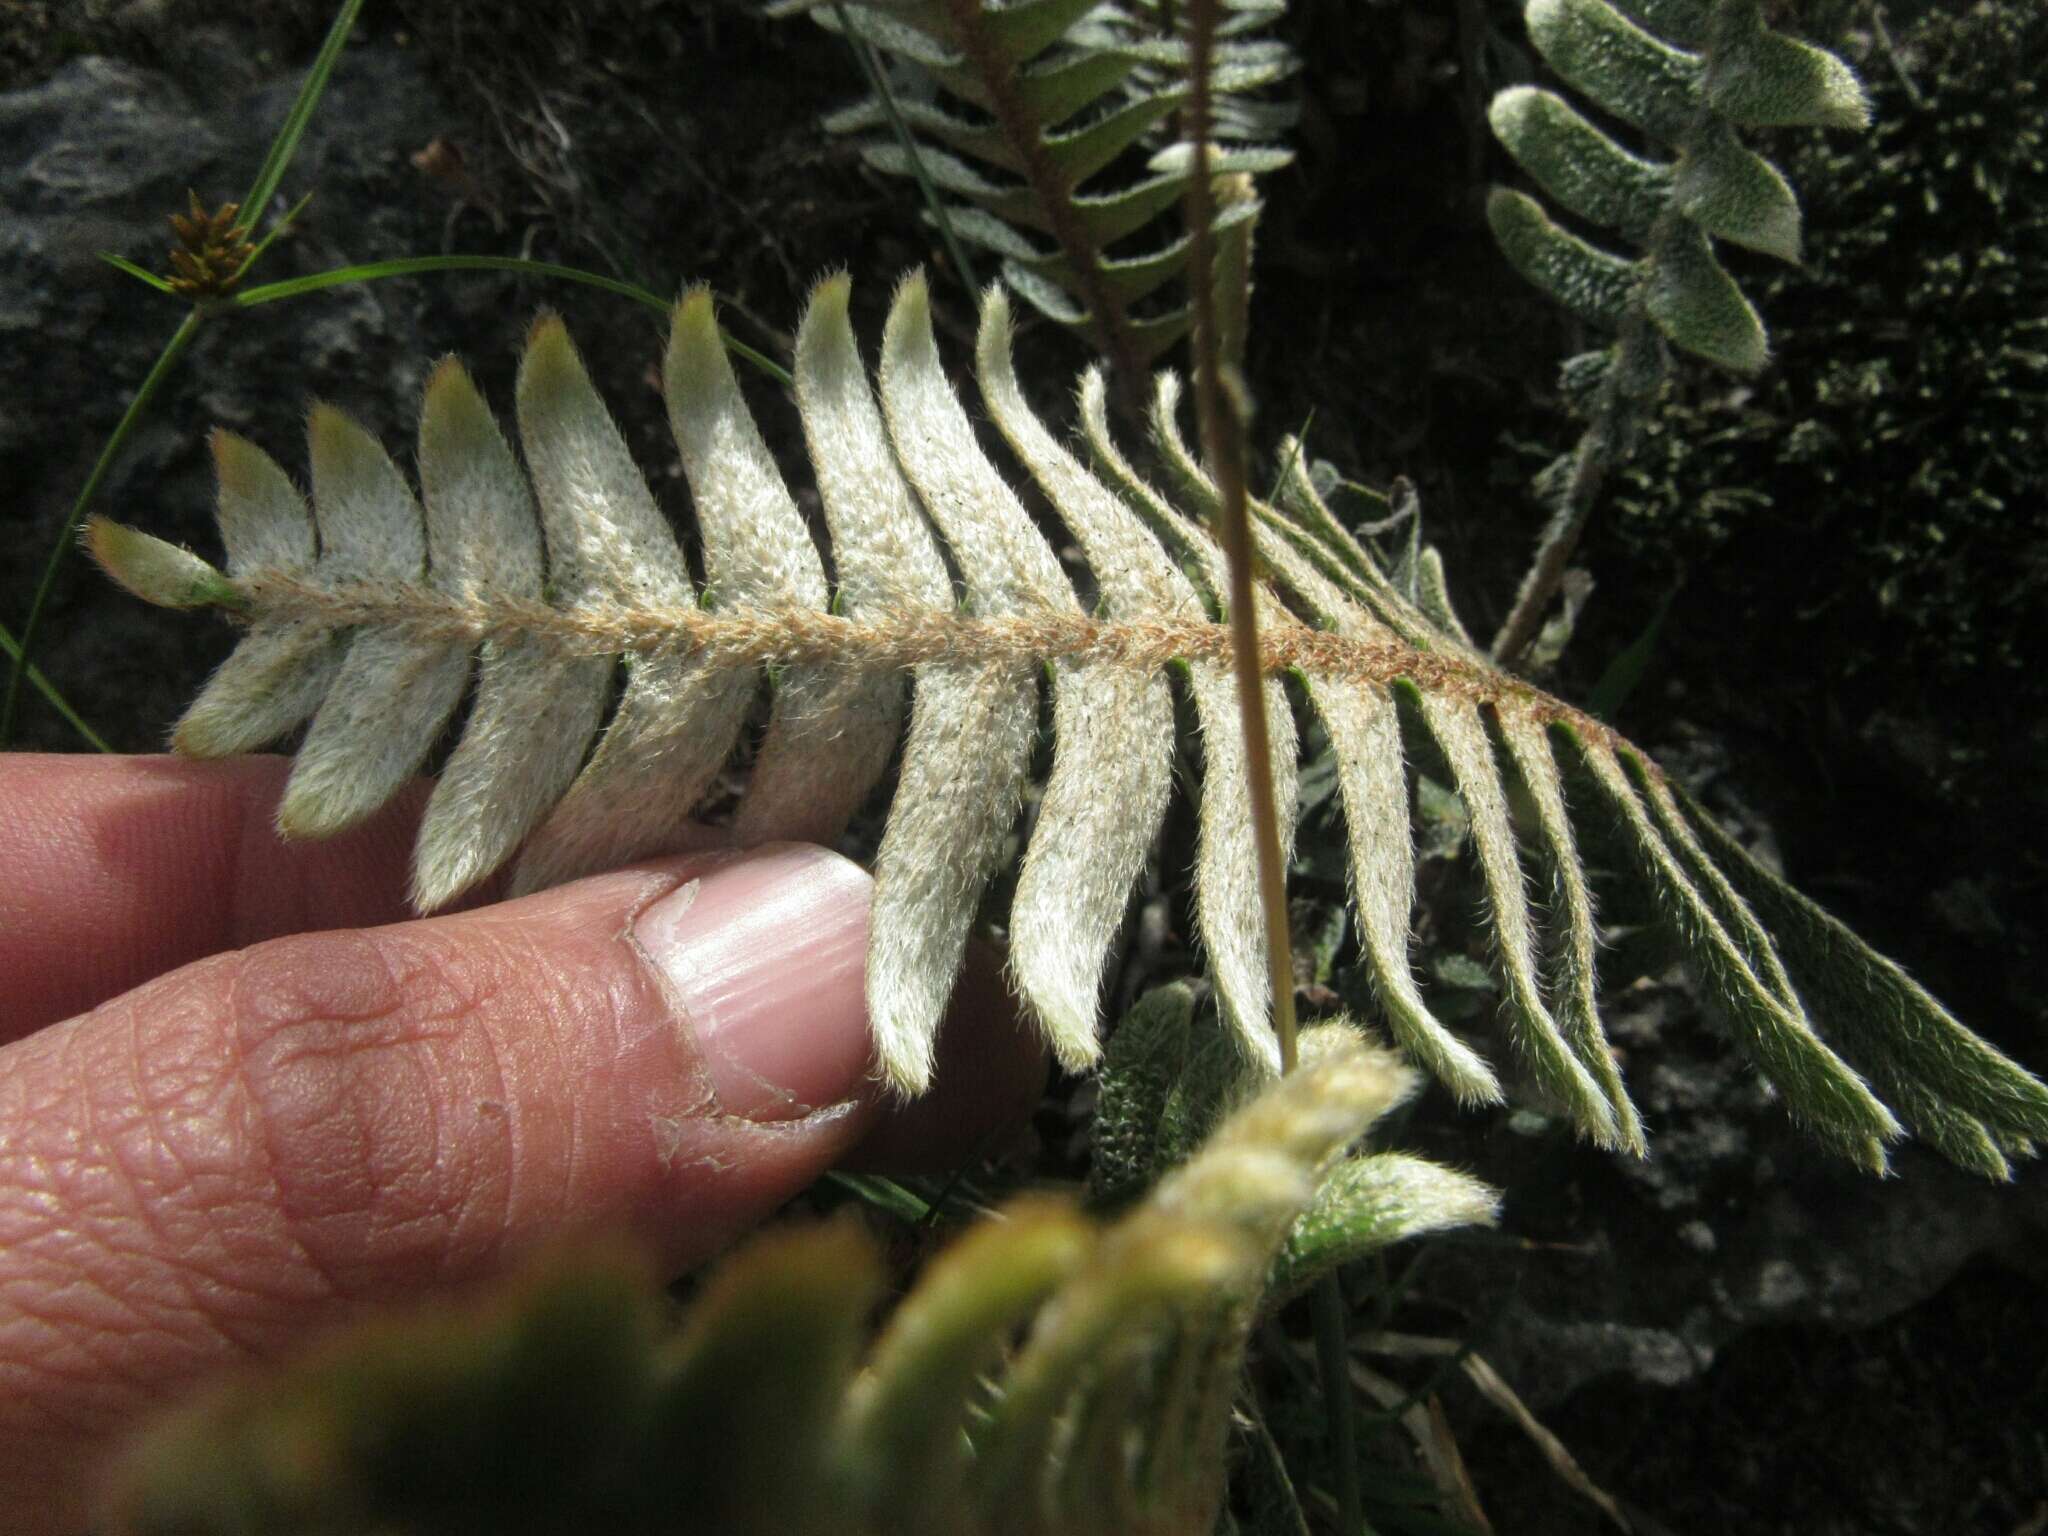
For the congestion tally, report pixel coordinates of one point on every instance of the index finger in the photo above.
(116, 869)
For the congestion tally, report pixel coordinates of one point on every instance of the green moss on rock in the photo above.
(1891, 473)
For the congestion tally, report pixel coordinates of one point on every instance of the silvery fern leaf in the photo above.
(1689, 75)
(1046, 1375)
(1048, 128)
(367, 612)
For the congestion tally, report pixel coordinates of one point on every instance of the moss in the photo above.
(1891, 474)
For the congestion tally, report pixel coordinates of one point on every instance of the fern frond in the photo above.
(771, 1410)
(368, 628)
(1164, 1087)
(1043, 99)
(1689, 75)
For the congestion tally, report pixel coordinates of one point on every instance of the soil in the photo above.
(666, 144)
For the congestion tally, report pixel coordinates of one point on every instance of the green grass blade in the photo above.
(1626, 671)
(879, 84)
(291, 217)
(136, 270)
(293, 129)
(49, 691)
(416, 266)
(68, 534)
(883, 1194)
(282, 148)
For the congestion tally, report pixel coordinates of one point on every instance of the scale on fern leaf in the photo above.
(369, 612)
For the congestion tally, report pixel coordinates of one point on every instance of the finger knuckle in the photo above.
(361, 1064)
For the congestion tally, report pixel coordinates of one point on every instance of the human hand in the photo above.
(244, 1098)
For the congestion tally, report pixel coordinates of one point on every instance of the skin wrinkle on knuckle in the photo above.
(552, 995)
(184, 1143)
(555, 1019)
(351, 1051)
(172, 1142)
(489, 1205)
(57, 1366)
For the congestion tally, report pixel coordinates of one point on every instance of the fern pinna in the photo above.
(1690, 76)
(366, 616)
(1044, 102)
(1721, 72)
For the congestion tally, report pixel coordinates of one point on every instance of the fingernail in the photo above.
(764, 959)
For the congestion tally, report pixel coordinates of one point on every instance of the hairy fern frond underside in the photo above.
(773, 1409)
(1029, 114)
(1690, 76)
(369, 613)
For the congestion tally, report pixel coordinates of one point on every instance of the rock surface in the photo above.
(1736, 1221)
(93, 159)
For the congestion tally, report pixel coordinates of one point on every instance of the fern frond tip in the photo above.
(155, 570)
(546, 320)
(830, 296)
(1773, 81)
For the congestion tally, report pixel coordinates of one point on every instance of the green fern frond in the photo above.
(364, 614)
(1043, 102)
(1689, 75)
(771, 1409)
(1166, 1082)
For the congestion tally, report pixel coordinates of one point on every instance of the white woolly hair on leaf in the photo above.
(154, 569)
(535, 711)
(1365, 735)
(279, 673)
(971, 724)
(831, 729)
(1342, 1085)
(1368, 1202)
(882, 547)
(1228, 916)
(392, 693)
(1977, 1105)
(957, 804)
(1112, 768)
(1308, 523)
(678, 719)
(1461, 735)
(1252, 1178)
(1820, 1088)
(264, 521)
(1575, 937)
(365, 614)
(1364, 732)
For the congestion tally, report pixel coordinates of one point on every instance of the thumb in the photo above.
(269, 1140)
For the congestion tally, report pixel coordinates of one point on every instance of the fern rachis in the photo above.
(368, 624)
